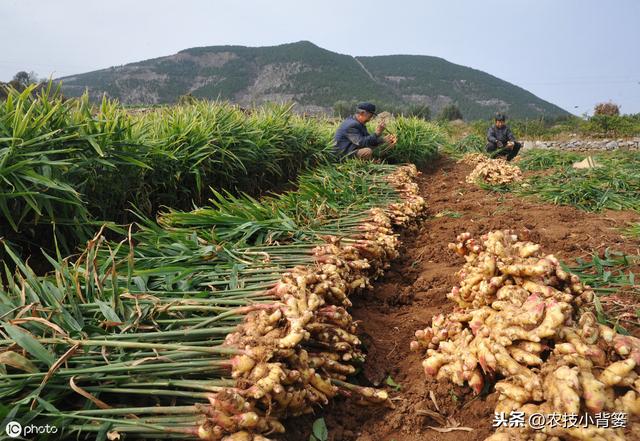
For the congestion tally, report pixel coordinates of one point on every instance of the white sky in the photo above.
(569, 52)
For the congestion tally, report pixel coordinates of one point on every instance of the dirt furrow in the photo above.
(414, 290)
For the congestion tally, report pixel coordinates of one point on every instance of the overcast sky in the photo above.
(570, 52)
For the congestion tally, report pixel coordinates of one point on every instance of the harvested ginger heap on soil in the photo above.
(524, 320)
(491, 171)
(299, 351)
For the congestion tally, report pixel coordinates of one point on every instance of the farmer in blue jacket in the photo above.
(501, 141)
(352, 137)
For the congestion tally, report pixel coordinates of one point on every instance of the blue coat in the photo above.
(352, 135)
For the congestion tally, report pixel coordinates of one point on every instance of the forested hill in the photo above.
(313, 77)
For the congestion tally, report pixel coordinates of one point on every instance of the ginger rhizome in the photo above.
(300, 351)
(491, 171)
(522, 320)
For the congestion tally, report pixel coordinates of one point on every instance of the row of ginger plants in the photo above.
(178, 332)
(69, 164)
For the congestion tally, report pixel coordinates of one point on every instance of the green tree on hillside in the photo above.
(24, 78)
(450, 112)
(343, 108)
(421, 111)
(186, 99)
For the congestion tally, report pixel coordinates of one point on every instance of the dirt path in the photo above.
(414, 290)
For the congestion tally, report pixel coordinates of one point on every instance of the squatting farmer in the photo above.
(501, 141)
(352, 137)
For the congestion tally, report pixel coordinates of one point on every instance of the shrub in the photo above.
(612, 125)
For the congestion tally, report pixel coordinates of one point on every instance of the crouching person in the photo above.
(352, 138)
(501, 141)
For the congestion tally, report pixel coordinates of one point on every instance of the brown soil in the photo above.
(414, 290)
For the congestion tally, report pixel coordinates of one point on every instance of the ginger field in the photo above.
(209, 272)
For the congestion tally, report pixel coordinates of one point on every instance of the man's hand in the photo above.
(391, 139)
(499, 144)
(510, 145)
(380, 128)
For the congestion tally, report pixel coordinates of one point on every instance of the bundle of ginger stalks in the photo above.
(524, 321)
(300, 355)
(491, 171)
(152, 322)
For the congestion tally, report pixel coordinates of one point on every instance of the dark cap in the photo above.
(371, 108)
(500, 117)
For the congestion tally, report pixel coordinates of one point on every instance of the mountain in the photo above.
(312, 77)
